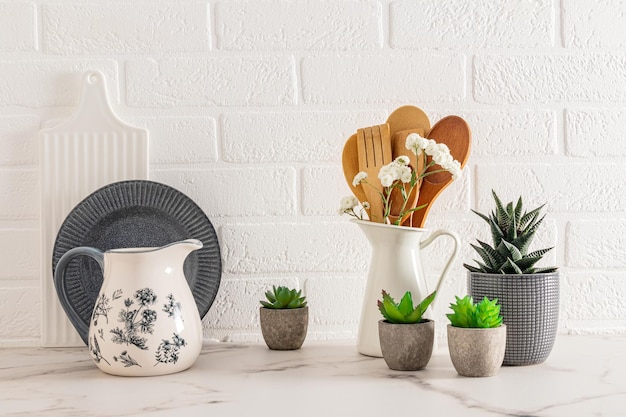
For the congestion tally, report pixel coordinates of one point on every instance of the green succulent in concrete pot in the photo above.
(507, 270)
(284, 318)
(476, 337)
(406, 338)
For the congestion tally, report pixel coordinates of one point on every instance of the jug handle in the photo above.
(430, 239)
(59, 283)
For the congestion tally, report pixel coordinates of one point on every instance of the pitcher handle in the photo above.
(430, 239)
(59, 283)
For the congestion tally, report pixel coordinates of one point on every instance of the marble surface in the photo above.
(584, 376)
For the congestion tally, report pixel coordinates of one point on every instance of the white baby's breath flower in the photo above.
(348, 203)
(455, 169)
(402, 160)
(365, 205)
(358, 178)
(394, 171)
(416, 143)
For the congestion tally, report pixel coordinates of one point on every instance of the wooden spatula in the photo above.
(403, 121)
(374, 151)
(398, 148)
(456, 134)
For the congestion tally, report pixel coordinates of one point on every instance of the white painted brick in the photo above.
(593, 24)
(291, 136)
(125, 27)
(182, 140)
(323, 187)
(595, 132)
(18, 27)
(293, 247)
(596, 244)
(573, 187)
(339, 79)
(593, 295)
(476, 24)
(236, 192)
(455, 198)
(549, 78)
(51, 83)
(335, 300)
(218, 81)
(512, 133)
(309, 25)
(18, 253)
(19, 190)
(20, 309)
(18, 139)
(236, 306)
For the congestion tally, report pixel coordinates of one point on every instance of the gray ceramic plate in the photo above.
(130, 214)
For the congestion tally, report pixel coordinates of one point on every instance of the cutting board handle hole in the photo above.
(93, 78)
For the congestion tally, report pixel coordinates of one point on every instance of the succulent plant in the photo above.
(404, 312)
(283, 297)
(485, 314)
(512, 231)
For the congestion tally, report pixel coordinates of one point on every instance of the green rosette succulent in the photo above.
(485, 314)
(403, 312)
(283, 298)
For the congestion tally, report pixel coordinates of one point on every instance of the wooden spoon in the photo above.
(350, 163)
(403, 121)
(456, 134)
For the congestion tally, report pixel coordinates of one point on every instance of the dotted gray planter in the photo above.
(406, 347)
(476, 352)
(284, 329)
(529, 308)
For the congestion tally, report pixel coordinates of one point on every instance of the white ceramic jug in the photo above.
(396, 267)
(145, 321)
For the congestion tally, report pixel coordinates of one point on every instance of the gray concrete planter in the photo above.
(406, 347)
(529, 305)
(476, 352)
(284, 329)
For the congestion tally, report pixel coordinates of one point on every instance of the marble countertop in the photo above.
(584, 376)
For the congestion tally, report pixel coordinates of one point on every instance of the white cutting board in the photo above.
(91, 149)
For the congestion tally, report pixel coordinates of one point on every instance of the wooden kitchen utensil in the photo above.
(91, 149)
(374, 151)
(398, 148)
(403, 121)
(350, 163)
(456, 134)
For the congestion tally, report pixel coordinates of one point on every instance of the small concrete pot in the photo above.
(284, 329)
(477, 352)
(406, 347)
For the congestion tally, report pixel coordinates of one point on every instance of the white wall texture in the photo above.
(248, 104)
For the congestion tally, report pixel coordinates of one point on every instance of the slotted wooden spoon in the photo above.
(374, 151)
(456, 134)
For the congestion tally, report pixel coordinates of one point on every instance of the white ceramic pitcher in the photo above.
(396, 267)
(145, 321)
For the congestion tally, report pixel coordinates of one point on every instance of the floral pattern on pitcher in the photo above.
(138, 318)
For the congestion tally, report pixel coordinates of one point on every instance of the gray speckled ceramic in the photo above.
(406, 347)
(284, 329)
(476, 352)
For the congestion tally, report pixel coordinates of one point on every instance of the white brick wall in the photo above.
(249, 103)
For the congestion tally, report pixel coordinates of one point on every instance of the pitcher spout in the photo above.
(183, 247)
